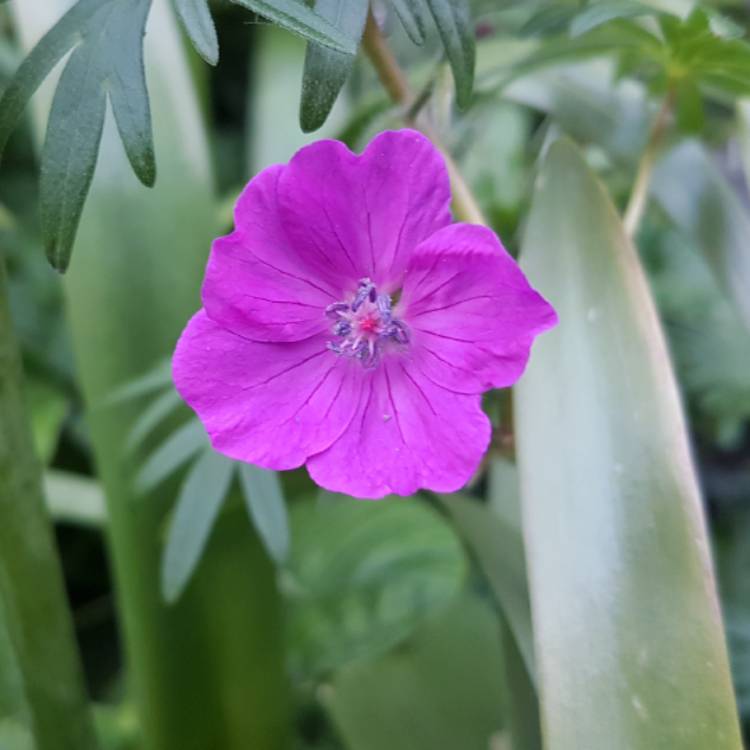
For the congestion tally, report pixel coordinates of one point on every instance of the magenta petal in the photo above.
(471, 313)
(361, 216)
(268, 404)
(256, 284)
(407, 434)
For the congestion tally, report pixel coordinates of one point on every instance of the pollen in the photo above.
(365, 326)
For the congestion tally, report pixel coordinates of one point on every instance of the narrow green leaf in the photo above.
(176, 450)
(703, 205)
(296, 17)
(109, 58)
(549, 20)
(326, 70)
(411, 15)
(265, 505)
(156, 379)
(74, 499)
(498, 548)
(74, 132)
(198, 506)
(362, 576)
(454, 23)
(599, 13)
(199, 25)
(40, 61)
(615, 538)
(151, 416)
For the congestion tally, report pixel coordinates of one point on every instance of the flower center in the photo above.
(365, 326)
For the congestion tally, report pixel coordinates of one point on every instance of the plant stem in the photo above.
(41, 683)
(394, 81)
(639, 195)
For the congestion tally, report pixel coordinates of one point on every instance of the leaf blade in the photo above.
(195, 16)
(622, 491)
(197, 508)
(326, 70)
(453, 20)
(299, 19)
(266, 507)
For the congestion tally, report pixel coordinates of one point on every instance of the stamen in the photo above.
(365, 325)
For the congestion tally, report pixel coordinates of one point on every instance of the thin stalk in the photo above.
(639, 194)
(37, 643)
(397, 86)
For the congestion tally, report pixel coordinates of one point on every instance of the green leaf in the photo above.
(108, 59)
(175, 451)
(615, 537)
(689, 105)
(599, 13)
(454, 24)
(549, 19)
(326, 70)
(295, 16)
(704, 206)
(73, 498)
(362, 576)
(39, 63)
(441, 690)
(411, 15)
(150, 418)
(156, 379)
(498, 548)
(265, 505)
(196, 18)
(198, 506)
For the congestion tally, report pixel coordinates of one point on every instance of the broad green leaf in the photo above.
(326, 70)
(175, 451)
(362, 576)
(498, 548)
(411, 15)
(705, 207)
(72, 498)
(155, 379)
(196, 18)
(108, 59)
(198, 506)
(151, 417)
(441, 690)
(600, 13)
(265, 505)
(615, 536)
(295, 16)
(454, 24)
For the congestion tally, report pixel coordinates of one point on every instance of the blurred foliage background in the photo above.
(358, 625)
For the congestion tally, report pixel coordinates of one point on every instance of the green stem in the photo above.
(38, 658)
(394, 81)
(639, 194)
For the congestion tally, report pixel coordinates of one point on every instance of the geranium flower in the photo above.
(348, 324)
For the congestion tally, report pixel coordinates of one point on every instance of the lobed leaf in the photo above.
(108, 59)
(266, 507)
(326, 70)
(199, 26)
(454, 24)
(411, 15)
(196, 510)
(298, 18)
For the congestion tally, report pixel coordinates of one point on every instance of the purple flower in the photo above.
(349, 325)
